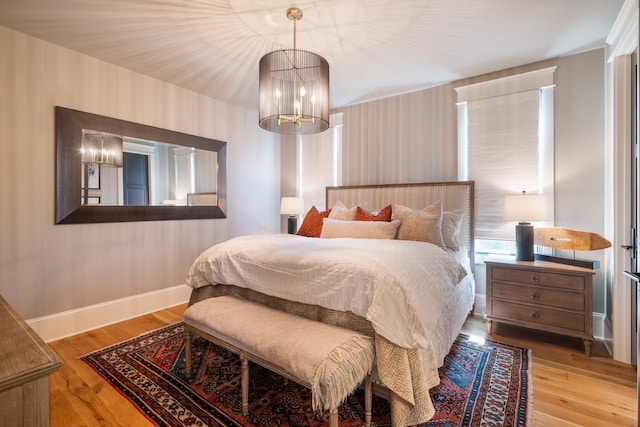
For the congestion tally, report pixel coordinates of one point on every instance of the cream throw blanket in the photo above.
(331, 360)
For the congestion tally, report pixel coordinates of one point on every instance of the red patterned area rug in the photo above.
(482, 384)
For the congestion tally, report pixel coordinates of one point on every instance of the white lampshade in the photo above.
(525, 207)
(291, 206)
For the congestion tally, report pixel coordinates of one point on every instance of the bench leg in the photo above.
(187, 351)
(245, 382)
(333, 417)
(367, 400)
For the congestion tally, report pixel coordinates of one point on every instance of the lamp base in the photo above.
(292, 224)
(524, 242)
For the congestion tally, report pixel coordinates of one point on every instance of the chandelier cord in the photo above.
(294, 15)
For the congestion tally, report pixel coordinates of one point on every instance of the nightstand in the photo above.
(541, 295)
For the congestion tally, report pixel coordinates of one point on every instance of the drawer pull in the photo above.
(535, 278)
(534, 296)
(534, 315)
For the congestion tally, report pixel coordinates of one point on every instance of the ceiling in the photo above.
(375, 48)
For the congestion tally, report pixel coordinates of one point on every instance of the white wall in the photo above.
(580, 154)
(407, 138)
(46, 268)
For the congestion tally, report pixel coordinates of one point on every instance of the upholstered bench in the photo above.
(330, 360)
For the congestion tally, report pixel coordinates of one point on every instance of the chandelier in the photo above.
(294, 89)
(101, 148)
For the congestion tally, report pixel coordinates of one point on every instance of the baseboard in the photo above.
(598, 326)
(480, 307)
(72, 322)
(607, 334)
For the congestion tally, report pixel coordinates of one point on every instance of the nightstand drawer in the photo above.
(536, 277)
(538, 295)
(538, 315)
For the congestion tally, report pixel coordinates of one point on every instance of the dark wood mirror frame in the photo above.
(69, 125)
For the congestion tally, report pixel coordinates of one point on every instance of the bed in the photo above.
(412, 297)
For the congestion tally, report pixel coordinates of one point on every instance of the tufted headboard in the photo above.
(456, 195)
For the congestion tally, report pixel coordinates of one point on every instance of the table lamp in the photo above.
(525, 208)
(292, 206)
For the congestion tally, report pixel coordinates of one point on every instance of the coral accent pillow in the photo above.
(424, 225)
(312, 223)
(383, 215)
(341, 212)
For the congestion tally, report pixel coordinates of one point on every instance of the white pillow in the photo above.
(359, 229)
(422, 225)
(341, 212)
(451, 224)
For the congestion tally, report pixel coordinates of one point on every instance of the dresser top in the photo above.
(547, 265)
(24, 356)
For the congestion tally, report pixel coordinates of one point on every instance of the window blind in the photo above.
(503, 156)
(506, 145)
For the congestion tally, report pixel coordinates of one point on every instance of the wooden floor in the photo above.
(570, 389)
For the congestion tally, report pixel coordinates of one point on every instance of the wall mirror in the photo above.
(111, 170)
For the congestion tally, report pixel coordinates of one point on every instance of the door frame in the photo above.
(149, 151)
(621, 43)
(621, 289)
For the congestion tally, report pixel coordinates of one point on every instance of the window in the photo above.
(505, 145)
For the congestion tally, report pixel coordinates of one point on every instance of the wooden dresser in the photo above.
(541, 295)
(25, 365)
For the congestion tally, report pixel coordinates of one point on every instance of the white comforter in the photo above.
(399, 286)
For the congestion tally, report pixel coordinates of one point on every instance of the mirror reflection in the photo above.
(112, 170)
(124, 171)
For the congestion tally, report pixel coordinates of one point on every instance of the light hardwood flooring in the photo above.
(569, 388)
